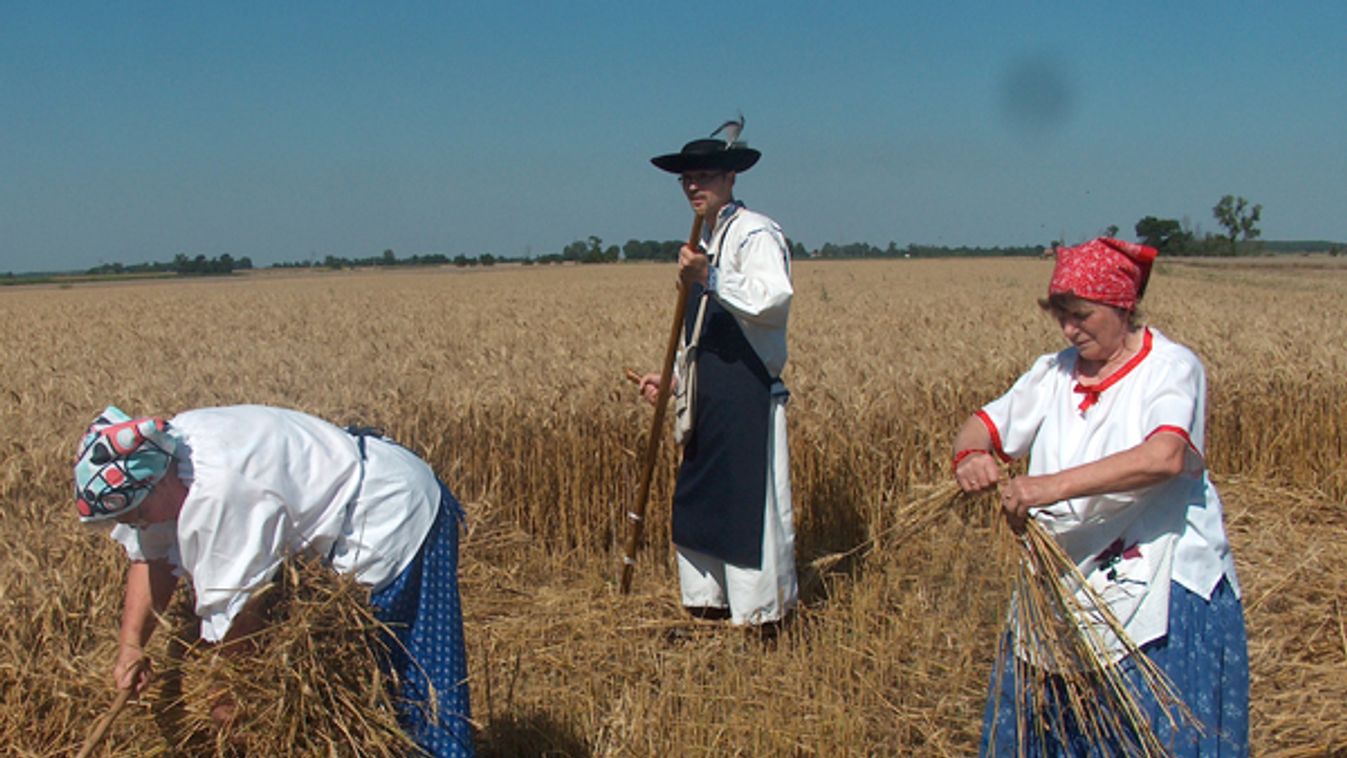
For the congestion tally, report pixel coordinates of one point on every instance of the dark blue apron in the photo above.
(721, 492)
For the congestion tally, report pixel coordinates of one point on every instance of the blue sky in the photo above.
(134, 131)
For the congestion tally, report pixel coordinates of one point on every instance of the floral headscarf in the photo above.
(120, 459)
(1104, 270)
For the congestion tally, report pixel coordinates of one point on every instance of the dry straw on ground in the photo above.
(510, 383)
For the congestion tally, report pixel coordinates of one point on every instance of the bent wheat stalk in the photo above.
(910, 517)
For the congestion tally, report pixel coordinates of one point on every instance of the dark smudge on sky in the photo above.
(1036, 94)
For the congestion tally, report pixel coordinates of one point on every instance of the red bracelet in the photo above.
(959, 456)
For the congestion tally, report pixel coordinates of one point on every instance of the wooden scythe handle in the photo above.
(636, 516)
(100, 729)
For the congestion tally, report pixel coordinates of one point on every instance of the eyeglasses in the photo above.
(699, 178)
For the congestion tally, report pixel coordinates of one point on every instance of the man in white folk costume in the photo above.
(732, 517)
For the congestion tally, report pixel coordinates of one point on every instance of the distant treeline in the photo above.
(1304, 246)
(181, 264)
(1167, 235)
(389, 258)
(866, 250)
(1172, 239)
(592, 250)
(667, 251)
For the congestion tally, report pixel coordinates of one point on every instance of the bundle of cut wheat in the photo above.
(310, 680)
(1069, 690)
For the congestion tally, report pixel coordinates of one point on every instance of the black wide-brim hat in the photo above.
(708, 155)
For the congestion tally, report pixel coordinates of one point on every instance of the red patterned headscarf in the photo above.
(1104, 270)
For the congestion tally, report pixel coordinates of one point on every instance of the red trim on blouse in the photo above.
(995, 435)
(1092, 392)
(1176, 430)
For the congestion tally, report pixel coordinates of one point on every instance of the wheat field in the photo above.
(509, 381)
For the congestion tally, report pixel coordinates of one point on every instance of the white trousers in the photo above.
(753, 595)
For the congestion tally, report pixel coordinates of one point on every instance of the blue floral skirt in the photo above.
(422, 609)
(1204, 654)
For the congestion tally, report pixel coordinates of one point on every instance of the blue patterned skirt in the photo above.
(422, 609)
(1204, 654)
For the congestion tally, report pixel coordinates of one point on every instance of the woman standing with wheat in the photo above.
(1114, 429)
